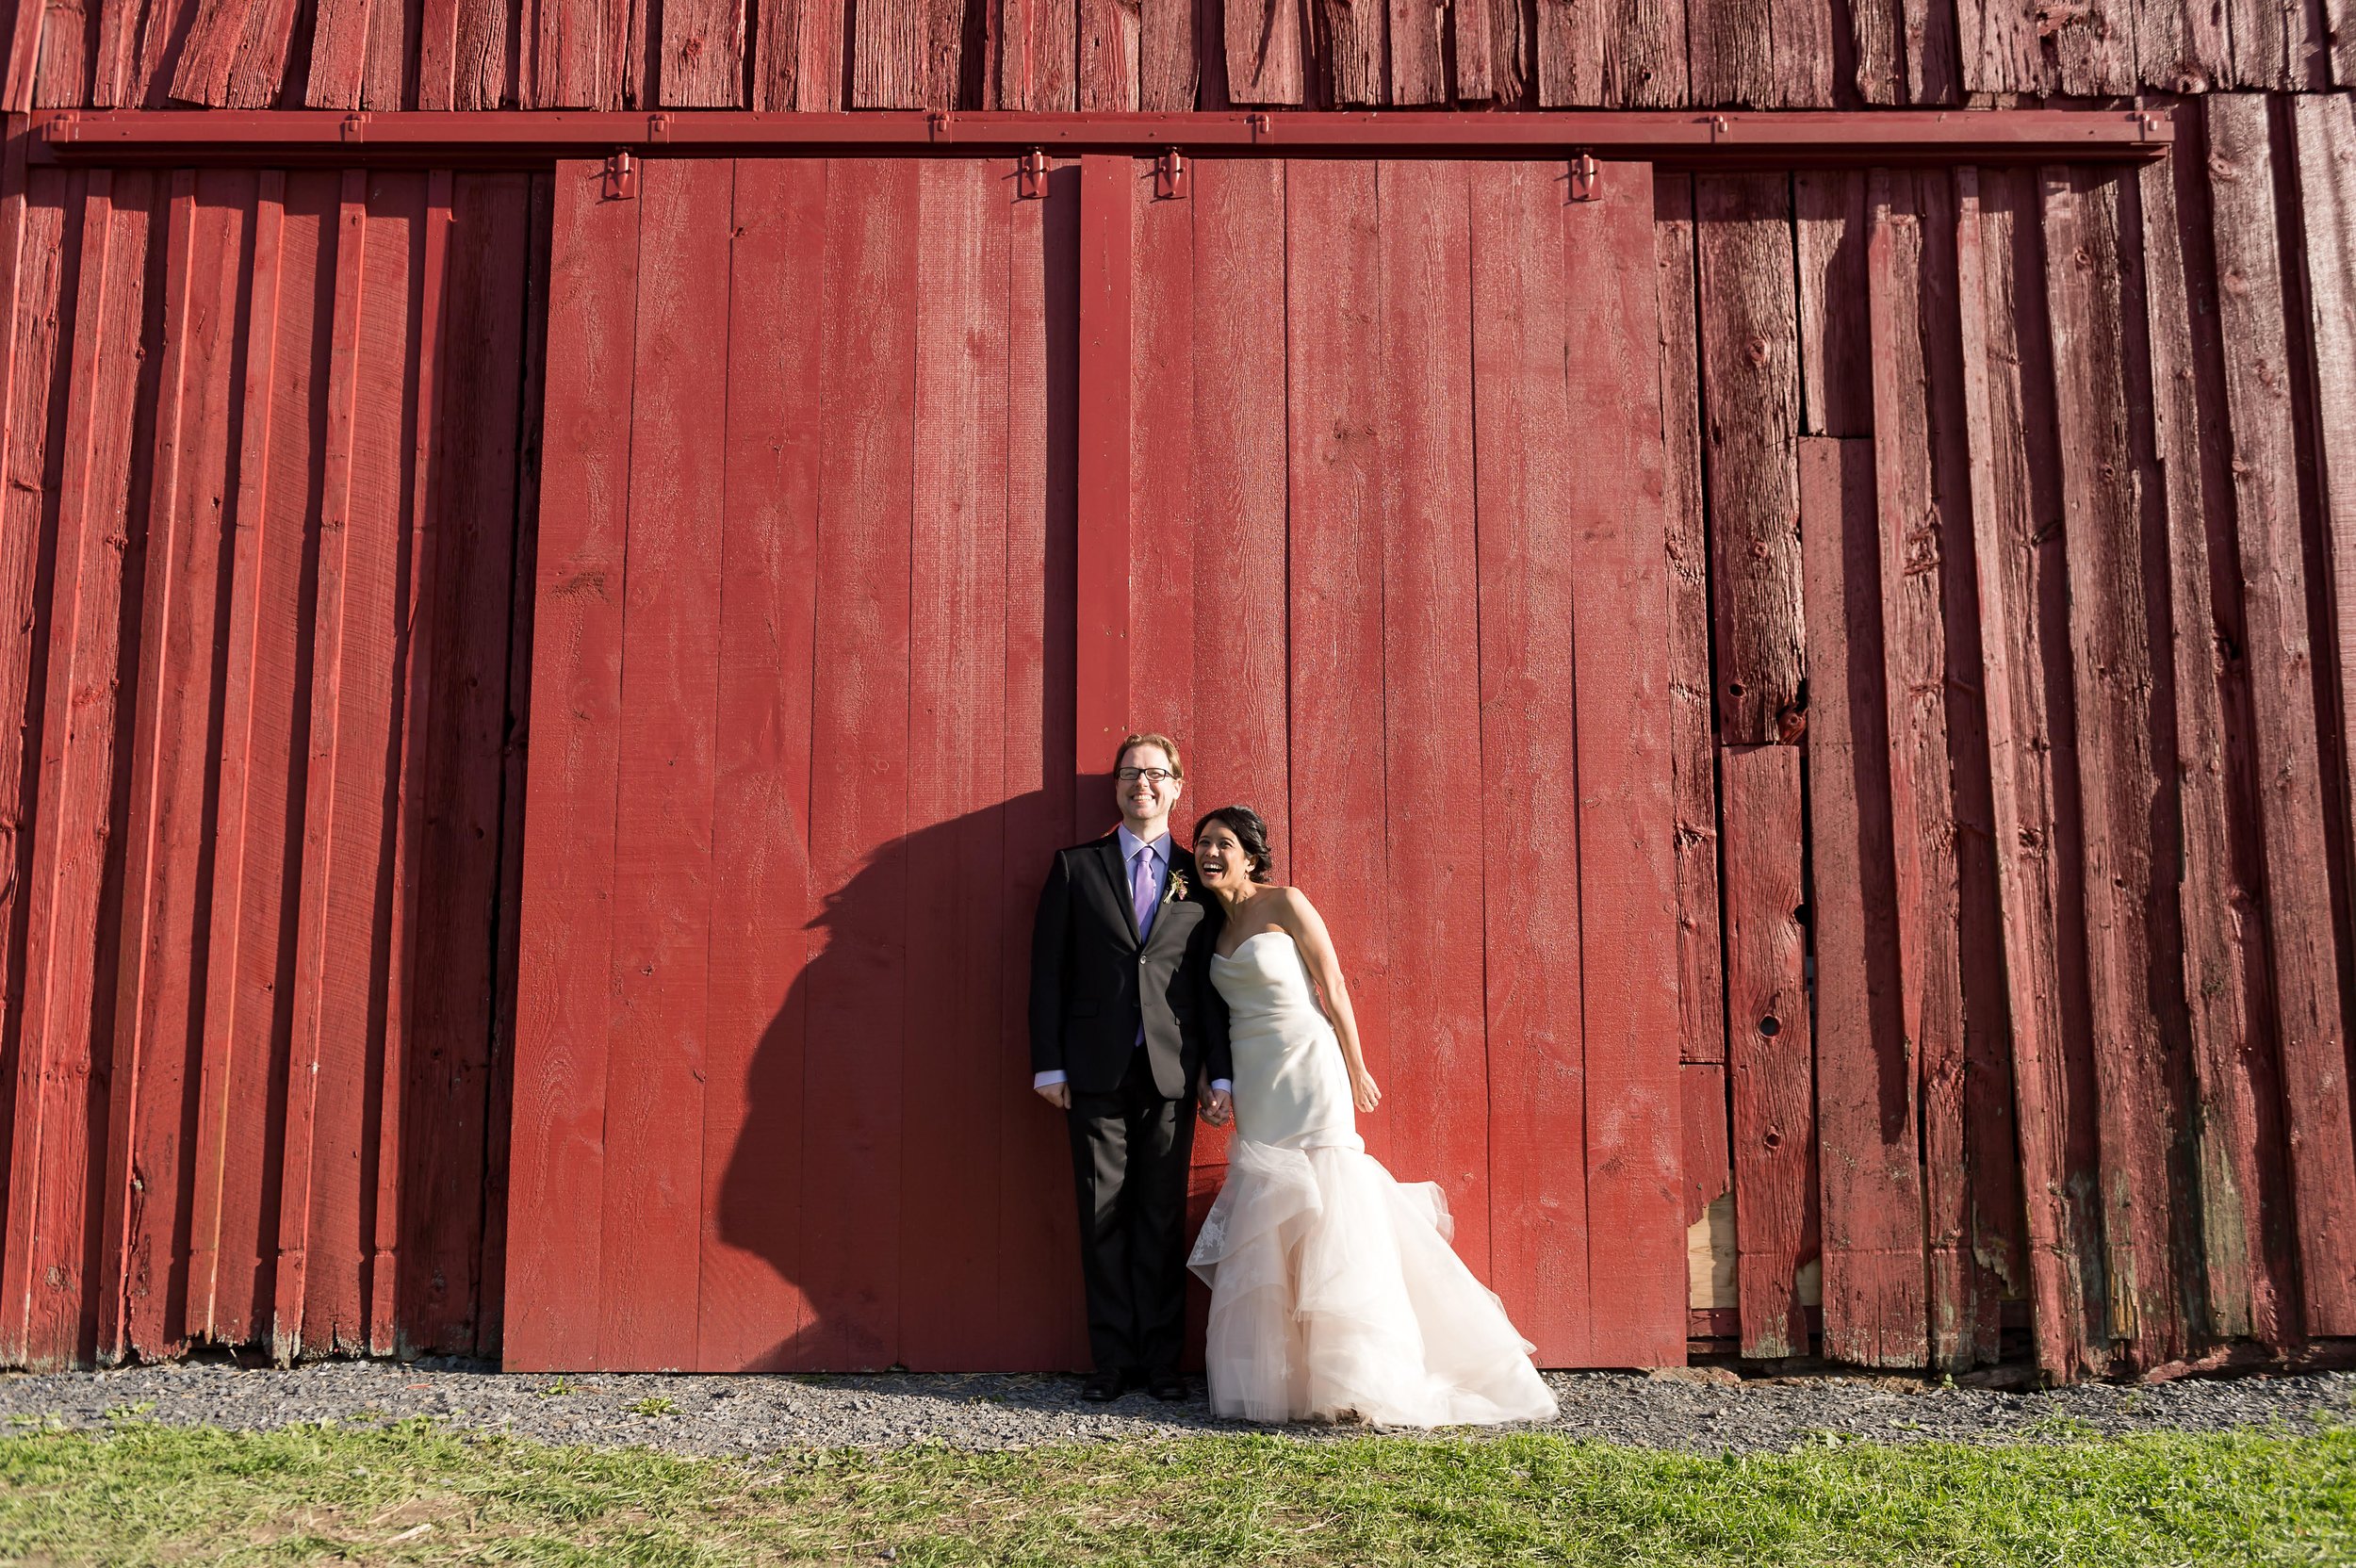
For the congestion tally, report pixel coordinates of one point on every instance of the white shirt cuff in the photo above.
(1046, 1080)
(1224, 1086)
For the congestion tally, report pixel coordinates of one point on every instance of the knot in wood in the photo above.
(1754, 349)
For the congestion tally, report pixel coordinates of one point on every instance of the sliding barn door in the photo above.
(1371, 477)
(881, 498)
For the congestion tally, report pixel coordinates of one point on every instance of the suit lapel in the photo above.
(1117, 882)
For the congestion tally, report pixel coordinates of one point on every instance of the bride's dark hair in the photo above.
(1250, 831)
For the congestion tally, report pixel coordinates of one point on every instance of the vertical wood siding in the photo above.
(263, 427)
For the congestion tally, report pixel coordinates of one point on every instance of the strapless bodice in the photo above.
(1292, 1087)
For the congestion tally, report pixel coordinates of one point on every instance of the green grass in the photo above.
(146, 1494)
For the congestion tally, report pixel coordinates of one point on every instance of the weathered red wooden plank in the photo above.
(469, 487)
(462, 55)
(24, 57)
(1532, 916)
(1992, 1239)
(248, 990)
(1105, 76)
(890, 56)
(35, 234)
(339, 53)
(46, 1292)
(2275, 596)
(663, 910)
(1350, 47)
(1763, 53)
(1473, 31)
(1619, 602)
(2285, 47)
(418, 538)
(2111, 661)
(68, 37)
(1160, 568)
(2223, 953)
(558, 1153)
(1418, 50)
(1037, 54)
(1106, 191)
(114, 53)
(1769, 1065)
(2002, 48)
(1922, 803)
(1836, 349)
(491, 1269)
(163, 956)
(2017, 559)
(1621, 54)
(1750, 417)
(1038, 1247)
(853, 1160)
(1709, 1156)
(1875, 1312)
(1877, 50)
(2183, 48)
(573, 53)
(1334, 327)
(1266, 52)
(236, 53)
(325, 1226)
(953, 1313)
(752, 1303)
(1693, 757)
(2094, 47)
(1431, 658)
(703, 54)
(1169, 70)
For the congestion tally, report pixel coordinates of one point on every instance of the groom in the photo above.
(1122, 1020)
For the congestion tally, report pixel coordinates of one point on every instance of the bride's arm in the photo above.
(1300, 917)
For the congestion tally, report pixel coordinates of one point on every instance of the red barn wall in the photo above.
(2059, 457)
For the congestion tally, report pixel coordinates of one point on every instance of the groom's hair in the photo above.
(1152, 738)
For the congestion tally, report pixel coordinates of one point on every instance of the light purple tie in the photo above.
(1141, 893)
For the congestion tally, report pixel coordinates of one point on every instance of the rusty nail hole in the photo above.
(1771, 1026)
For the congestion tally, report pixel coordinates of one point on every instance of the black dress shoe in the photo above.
(1166, 1385)
(1101, 1387)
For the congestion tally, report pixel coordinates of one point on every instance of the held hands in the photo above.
(1364, 1092)
(1219, 1107)
(1057, 1095)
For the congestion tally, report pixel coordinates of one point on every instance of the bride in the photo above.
(1334, 1293)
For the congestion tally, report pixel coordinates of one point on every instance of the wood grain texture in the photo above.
(2003, 47)
(1338, 473)
(1169, 67)
(1418, 49)
(1351, 38)
(752, 1302)
(1266, 50)
(1836, 346)
(1533, 911)
(1876, 1311)
(2224, 940)
(954, 1307)
(1761, 54)
(1922, 807)
(703, 54)
(1627, 814)
(2094, 48)
(1692, 756)
(236, 53)
(560, 1076)
(47, 1284)
(800, 55)
(2275, 596)
(1106, 78)
(1750, 418)
(1104, 433)
(892, 56)
(2111, 663)
(2018, 559)
(1431, 711)
(1770, 1062)
(1621, 54)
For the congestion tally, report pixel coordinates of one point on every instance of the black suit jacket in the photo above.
(1093, 981)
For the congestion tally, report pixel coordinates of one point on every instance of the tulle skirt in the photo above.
(1335, 1294)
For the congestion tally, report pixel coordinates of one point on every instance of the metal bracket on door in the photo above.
(1586, 178)
(621, 177)
(1030, 176)
(1169, 176)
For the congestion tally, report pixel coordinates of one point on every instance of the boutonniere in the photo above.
(1177, 888)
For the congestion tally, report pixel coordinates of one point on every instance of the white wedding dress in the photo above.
(1334, 1289)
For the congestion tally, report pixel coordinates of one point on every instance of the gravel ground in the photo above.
(1703, 1410)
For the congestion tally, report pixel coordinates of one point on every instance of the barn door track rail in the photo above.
(1668, 138)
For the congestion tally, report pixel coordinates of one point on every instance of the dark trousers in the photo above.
(1130, 1150)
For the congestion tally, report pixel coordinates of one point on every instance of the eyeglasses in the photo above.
(1152, 775)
